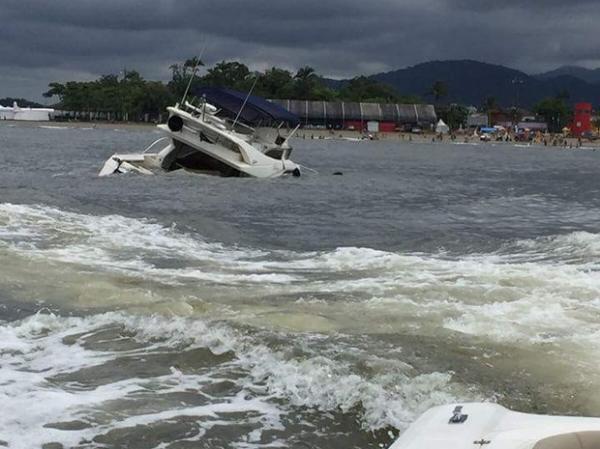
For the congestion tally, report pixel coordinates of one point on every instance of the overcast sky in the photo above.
(59, 40)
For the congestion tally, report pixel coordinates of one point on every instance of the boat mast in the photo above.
(244, 103)
(197, 63)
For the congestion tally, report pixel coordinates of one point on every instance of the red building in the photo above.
(582, 119)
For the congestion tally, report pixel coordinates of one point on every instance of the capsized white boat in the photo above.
(491, 426)
(215, 137)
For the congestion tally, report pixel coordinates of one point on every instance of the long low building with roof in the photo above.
(373, 117)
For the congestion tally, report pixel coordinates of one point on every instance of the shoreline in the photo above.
(82, 125)
(572, 143)
(337, 135)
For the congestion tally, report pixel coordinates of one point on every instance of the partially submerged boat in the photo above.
(491, 426)
(225, 133)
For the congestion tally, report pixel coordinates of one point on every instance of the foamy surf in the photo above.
(192, 375)
(290, 337)
(536, 290)
(53, 127)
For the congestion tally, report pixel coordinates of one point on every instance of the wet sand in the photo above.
(348, 135)
(428, 137)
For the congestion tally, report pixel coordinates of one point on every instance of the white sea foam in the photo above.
(54, 127)
(120, 244)
(576, 247)
(528, 292)
(44, 346)
(544, 289)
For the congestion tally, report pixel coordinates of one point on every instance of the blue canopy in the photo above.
(257, 110)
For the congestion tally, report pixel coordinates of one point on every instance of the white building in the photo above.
(27, 114)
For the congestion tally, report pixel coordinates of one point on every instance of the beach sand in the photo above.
(349, 135)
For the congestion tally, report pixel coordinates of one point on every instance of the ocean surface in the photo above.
(186, 311)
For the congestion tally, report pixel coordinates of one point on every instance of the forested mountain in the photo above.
(473, 83)
(589, 75)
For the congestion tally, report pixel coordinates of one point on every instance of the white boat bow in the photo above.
(491, 426)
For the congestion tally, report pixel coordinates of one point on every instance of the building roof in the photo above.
(250, 108)
(341, 111)
(532, 125)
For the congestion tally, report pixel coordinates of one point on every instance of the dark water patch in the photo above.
(13, 310)
(52, 446)
(221, 388)
(149, 436)
(115, 339)
(230, 436)
(315, 429)
(144, 402)
(143, 366)
(69, 425)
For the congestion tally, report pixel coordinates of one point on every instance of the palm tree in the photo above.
(439, 89)
(55, 89)
(305, 73)
(306, 80)
(490, 105)
(193, 62)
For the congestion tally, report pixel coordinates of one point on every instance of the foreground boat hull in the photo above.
(491, 426)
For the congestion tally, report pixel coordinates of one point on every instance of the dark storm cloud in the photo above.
(532, 5)
(84, 38)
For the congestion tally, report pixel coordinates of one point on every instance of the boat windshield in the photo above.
(210, 113)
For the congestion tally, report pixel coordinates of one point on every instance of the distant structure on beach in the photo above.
(582, 119)
(478, 120)
(25, 114)
(372, 117)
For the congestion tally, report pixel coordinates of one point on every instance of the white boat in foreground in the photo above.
(491, 426)
(214, 137)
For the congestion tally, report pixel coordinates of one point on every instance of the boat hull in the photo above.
(491, 426)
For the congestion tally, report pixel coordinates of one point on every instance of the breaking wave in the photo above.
(536, 290)
(70, 368)
(265, 326)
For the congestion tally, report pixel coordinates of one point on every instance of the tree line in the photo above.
(554, 111)
(132, 95)
(21, 102)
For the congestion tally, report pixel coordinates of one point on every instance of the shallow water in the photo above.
(329, 311)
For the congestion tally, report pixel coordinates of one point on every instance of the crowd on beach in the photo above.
(537, 139)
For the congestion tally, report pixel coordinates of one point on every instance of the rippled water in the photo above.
(180, 311)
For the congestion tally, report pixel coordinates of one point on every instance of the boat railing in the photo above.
(240, 128)
(156, 142)
(209, 113)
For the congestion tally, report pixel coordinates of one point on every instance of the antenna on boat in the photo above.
(197, 63)
(245, 101)
(290, 135)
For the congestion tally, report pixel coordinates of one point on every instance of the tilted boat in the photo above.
(226, 133)
(491, 426)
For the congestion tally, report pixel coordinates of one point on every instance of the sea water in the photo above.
(179, 310)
